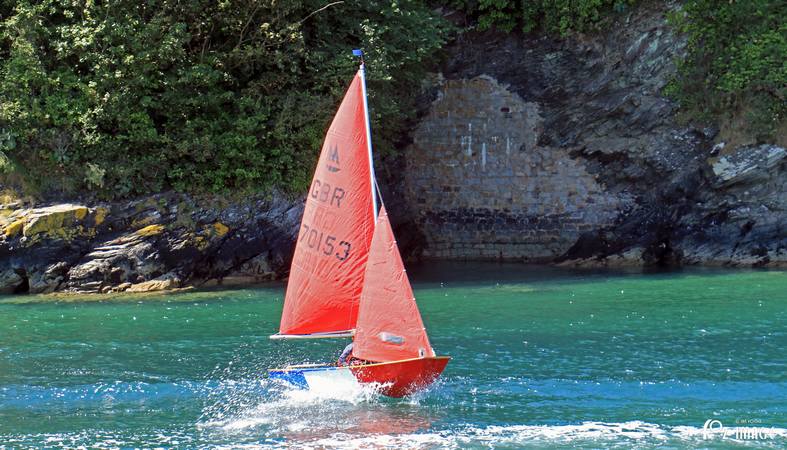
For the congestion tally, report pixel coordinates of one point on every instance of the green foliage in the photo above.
(554, 16)
(128, 97)
(94, 175)
(131, 97)
(735, 69)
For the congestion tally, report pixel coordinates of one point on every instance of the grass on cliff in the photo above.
(735, 71)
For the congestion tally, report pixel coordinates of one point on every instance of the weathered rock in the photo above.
(127, 259)
(10, 281)
(154, 243)
(54, 220)
(64, 221)
(162, 283)
(254, 270)
(49, 280)
(746, 164)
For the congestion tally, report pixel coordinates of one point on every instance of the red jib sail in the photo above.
(389, 324)
(326, 277)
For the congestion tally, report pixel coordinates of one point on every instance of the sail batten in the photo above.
(328, 267)
(332, 335)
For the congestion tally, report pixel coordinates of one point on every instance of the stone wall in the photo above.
(566, 150)
(485, 188)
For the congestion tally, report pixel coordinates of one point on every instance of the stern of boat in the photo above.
(393, 378)
(401, 378)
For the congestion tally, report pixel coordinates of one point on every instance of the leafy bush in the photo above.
(735, 69)
(554, 16)
(129, 97)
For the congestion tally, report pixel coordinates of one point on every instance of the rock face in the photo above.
(161, 242)
(566, 151)
(742, 217)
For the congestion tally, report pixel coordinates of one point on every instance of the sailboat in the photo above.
(347, 277)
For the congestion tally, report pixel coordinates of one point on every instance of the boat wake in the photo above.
(633, 434)
(353, 416)
(366, 433)
(281, 406)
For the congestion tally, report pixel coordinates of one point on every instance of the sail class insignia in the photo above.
(333, 159)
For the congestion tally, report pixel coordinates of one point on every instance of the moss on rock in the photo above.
(150, 230)
(14, 228)
(54, 221)
(220, 229)
(101, 215)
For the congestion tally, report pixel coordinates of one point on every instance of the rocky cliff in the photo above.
(529, 148)
(160, 242)
(538, 149)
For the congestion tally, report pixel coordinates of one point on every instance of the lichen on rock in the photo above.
(100, 215)
(150, 230)
(14, 228)
(220, 229)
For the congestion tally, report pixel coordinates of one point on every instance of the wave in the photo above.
(291, 403)
(336, 418)
(624, 435)
(632, 434)
(264, 413)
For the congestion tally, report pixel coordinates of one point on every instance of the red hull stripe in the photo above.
(395, 378)
(400, 378)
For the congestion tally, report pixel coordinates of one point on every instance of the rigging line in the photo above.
(379, 194)
(368, 126)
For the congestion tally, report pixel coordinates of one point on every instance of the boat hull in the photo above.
(394, 378)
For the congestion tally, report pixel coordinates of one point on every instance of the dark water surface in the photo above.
(541, 358)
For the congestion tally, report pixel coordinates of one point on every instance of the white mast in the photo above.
(362, 72)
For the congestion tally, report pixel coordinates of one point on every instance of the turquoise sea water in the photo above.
(541, 358)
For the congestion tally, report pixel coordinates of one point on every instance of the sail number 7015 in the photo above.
(313, 238)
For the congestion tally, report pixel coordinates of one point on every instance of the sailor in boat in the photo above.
(347, 358)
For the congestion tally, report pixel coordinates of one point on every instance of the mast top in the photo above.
(359, 53)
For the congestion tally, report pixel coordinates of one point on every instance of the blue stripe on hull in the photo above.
(293, 377)
(296, 377)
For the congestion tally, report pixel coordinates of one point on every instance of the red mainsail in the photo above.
(327, 273)
(389, 324)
